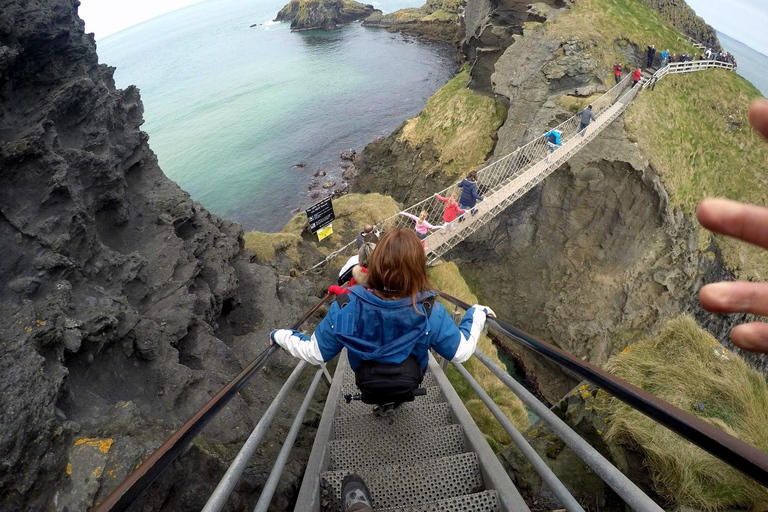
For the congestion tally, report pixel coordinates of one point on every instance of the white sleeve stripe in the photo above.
(308, 350)
(467, 346)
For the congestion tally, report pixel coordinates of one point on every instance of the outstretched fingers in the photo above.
(744, 221)
(752, 336)
(758, 116)
(735, 297)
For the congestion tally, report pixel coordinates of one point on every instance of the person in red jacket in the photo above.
(452, 209)
(617, 72)
(636, 75)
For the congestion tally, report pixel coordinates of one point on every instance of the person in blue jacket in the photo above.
(387, 321)
(469, 194)
(553, 141)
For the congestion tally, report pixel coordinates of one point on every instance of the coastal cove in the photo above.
(231, 108)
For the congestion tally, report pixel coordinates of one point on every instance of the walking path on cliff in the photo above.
(507, 179)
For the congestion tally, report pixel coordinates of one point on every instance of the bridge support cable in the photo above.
(729, 449)
(505, 180)
(218, 499)
(547, 476)
(123, 496)
(277, 470)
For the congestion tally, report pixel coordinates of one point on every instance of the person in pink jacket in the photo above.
(452, 208)
(422, 226)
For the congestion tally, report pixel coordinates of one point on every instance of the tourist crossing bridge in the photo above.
(507, 179)
(431, 456)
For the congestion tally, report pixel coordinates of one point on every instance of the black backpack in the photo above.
(385, 383)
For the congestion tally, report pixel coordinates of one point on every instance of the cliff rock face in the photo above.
(124, 305)
(684, 19)
(323, 14)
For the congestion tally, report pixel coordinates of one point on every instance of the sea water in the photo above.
(752, 64)
(231, 108)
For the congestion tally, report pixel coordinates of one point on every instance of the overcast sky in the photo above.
(744, 20)
(105, 17)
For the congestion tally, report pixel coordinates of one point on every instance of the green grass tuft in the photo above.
(460, 123)
(685, 366)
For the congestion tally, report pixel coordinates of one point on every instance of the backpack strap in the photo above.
(342, 300)
(428, 304)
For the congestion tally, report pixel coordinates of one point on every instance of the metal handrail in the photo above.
(123, 496)
(547, 476)
(729, 449)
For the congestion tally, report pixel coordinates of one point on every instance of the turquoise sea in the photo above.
(753, 65)
(230, 108)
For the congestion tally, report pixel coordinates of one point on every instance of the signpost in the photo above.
(320, 216)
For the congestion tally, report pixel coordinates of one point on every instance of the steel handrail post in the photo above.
(277, 470)
(547, 476)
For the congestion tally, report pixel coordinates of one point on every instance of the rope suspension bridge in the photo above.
(431, 456)
(507, 179)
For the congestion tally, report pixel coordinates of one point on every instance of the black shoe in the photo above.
(384, 411)
(474, 211)
(353, 491)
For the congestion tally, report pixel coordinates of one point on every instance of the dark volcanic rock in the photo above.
(124, 305)
(324, 14)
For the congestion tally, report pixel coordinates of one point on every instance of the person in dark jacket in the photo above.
(586, 117)
(469, 194)
(651, 55)
(387, 321)
(368, 234)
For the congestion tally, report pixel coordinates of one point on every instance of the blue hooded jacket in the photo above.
(469, 194)
(388, 331)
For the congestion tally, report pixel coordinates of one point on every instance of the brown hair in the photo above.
(398, 267)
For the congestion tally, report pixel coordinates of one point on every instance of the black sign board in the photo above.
(320, 215)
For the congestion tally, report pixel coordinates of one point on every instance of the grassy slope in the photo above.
(694, 130)
(685, 366)
(604, 23)
(460, 123)
(446, 277)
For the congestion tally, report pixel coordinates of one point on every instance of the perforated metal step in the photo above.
(355, 453)
(349, 386)
(400, 486)
(486, 501)
(416, 419)
(355, 407)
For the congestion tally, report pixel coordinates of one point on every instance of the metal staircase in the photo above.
(428, 456)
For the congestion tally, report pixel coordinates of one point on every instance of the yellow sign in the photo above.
(325, 232)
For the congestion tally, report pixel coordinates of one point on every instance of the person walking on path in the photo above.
(422, 226)
(586, 117)
(636, 75)
(553, 141)
(664, 58)
(617, 72)
(469, 194)
(651, 56)
(452, 209)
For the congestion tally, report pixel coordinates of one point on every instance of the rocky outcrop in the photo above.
(440, 20)
(124, 305)
(684, 19)
(323, 14)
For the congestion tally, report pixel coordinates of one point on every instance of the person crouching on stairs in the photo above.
(393, 321)
(452, 209)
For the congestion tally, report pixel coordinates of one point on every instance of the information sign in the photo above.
(320, 215)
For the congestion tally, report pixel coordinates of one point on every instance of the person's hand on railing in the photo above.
(748, 223)
(488, 311)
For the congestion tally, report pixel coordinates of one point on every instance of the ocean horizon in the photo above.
(242, 113)
(751, 63)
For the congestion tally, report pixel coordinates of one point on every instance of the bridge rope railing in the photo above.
(687, 67)
(733, 451)
(495, 175)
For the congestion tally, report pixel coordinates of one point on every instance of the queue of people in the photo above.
(666, 58)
